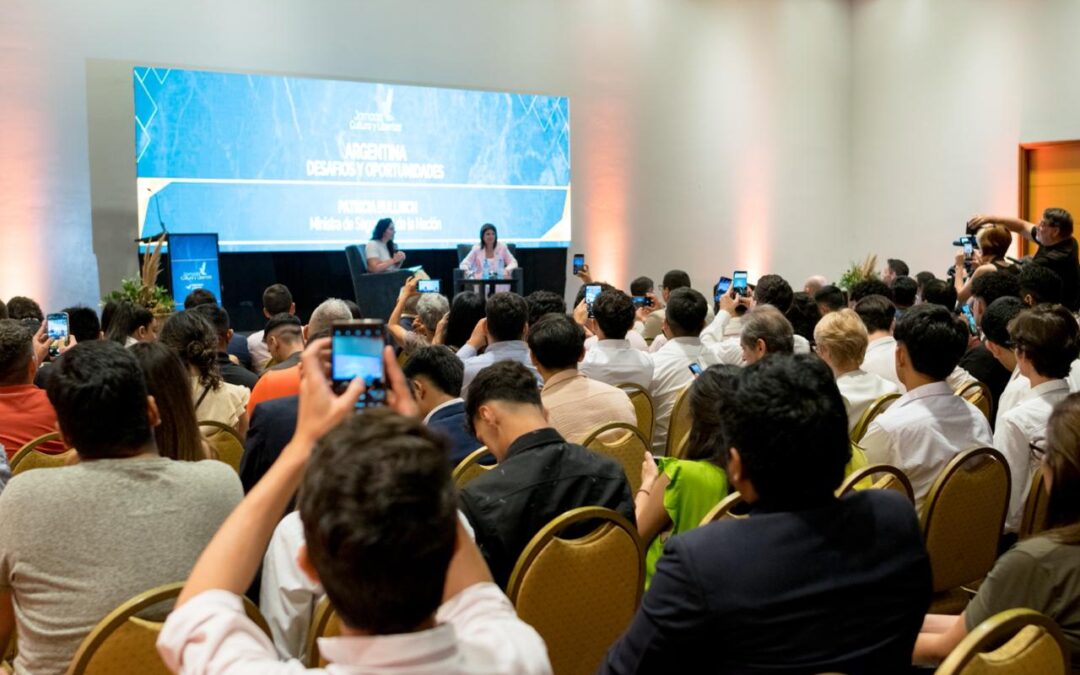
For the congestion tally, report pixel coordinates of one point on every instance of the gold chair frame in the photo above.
(226, 455)
(470, 467)
(679, 424)
(1035, 514)
(643, 408)
(325, 622)
(880, 405)
(26, 459)
(978, 394)
(631, 468)
(725, 509)
(990, 633)
(893, 479)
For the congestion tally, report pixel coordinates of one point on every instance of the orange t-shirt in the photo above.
(274, 384)
(25, 414)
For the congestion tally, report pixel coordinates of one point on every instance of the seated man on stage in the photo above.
(382, 255)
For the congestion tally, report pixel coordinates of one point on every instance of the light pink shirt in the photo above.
(577, 405)
(473, 264)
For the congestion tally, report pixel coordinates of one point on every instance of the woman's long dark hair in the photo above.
(484, 228)
(465, 312)
(125, 320)
(380, 229)
(1063, 460)
(712, 392)
(193, 337)
(168, 382)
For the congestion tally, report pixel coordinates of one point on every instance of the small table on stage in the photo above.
(486, 287)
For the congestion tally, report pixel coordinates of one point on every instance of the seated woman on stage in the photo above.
(489, 258)
(382, 254)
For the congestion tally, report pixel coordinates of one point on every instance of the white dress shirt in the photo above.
(723, 336)
(1012, 395)
(508, 350)
(260, 354)
(922, 431)
(1024, 424)
(859, 389)
(671, 374)
(1074, 376)
(632, 337)
(616, 362)
(880, 359)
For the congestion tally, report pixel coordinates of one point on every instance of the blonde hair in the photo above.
(844, 337)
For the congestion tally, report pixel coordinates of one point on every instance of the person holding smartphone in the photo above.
(993, 243)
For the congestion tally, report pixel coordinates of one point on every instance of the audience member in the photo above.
(994, 243)
(435, 374)
(191, 336)
(904, 290)
(654, 318)
(763, 593)
(771, 289)
(544, 302)
(996, 340)
(107, 311)
(1046, 340)
(273, 423)
(21, 307)
(894, 268)
(276, 299)
(285, 341)
(199, 296)
(3, 309)
(841, 344)
(177, 434)
(878, 314)
(803, 315)
(938, 292)
(983, 366)
(24, 408)
(83, 323)
(921, 278)
(466, 310)
(539, 476)
(683, 322)
(232, 373)
(765, 331)
(501, 336)
(576, 405)
(1041, 572)
(868, 287)
(131, 323)
(928, 425)
(830, 299)
(988, 288)
(815, 284)
(612, 357)
(121, 521)
(354, 309)
(430, 309)
(1039, 285)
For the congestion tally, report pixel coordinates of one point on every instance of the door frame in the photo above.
(1023, 246)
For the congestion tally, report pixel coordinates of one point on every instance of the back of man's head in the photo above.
(379, 513)
(842, 337)
(686, 312)
(934, 337)
(83, 323)
(868, 287)
(789, 426)
(766, 323)
(100, 398)
(544, 302)
(877, 313)
(939, 292)
(199, 296)
(922, 277)
(507, 315)
(557, 342)
(990, 287)
(996, 319)
(904, 290)
(16, 353)
(830, 298)
(218, 318)
(324, 316)
(285, 327)
(1047, 336)
(504, 382)
(1039, 284)
(430, 309)
(898, 267)
(641, 286)
(439, 366)
(614, 313)
(277, 299)
(676, 279)
(773, 290)
(21, 307)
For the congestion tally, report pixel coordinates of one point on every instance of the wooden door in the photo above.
(1049, 177)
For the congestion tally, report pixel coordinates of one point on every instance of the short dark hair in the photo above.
(1059, 218)
(218, 318)
(803, 315)
(100, 398)
(686, 312)
(868, 287)
(440, 365)
(934, 337)
(899, 267)
(877, 312)
(83, 323)
(904, 290)
(1041, 283)
(939, 292)
(676, 279)
(284, 323)
(767, 323)
(194, 339)
(507, 314)
(832, 297)
(199, 296)
(466, 310)
(790, 428)
(354, 309)
(614, 313)
(127, 318)
(990, 287)
(557, 341)
(277, 299)
(508, 381)
(773, 290)
(923, 277)
(710, 393)
(21, 307)
(380, 521)
(544, 302)
(16, 352)
(1049, 337)
(641, 286)
(996, 318)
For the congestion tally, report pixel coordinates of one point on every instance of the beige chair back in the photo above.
(877, 477)
(643, 408)
(880, 405)
(579, 594)
(1035, 513)
(963, 516)
(679, 424)
(29, 457)
(124, 644)
(731, 506)
(1035, 646)
(978, 394)
(325, 623)
(225, 440)
(470, 467)
(625, 444)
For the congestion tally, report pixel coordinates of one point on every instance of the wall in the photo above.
(705, 134)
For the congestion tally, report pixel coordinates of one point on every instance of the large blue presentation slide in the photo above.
(275, 163)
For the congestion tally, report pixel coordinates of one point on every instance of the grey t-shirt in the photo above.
(1040, 574)
(77, 541)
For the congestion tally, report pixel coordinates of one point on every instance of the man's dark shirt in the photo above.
(273, 423)
(986, 369)
(542, 477)
(450, 422)
(238, 347)
(842, 586)
(234, 374)
(1062, 259)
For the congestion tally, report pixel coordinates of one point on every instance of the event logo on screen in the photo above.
(284, 163)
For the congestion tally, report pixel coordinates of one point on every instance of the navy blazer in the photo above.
(450, 422)
(272, 425)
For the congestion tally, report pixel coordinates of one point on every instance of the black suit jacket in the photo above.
(450, 422)
(273, 423)
(840, 587)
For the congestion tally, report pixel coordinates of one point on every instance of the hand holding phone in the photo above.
(965, 309)
(429, 286)
(739, 283)
(57, 331)
(591, 292)
(579, 263)
(356, 350)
